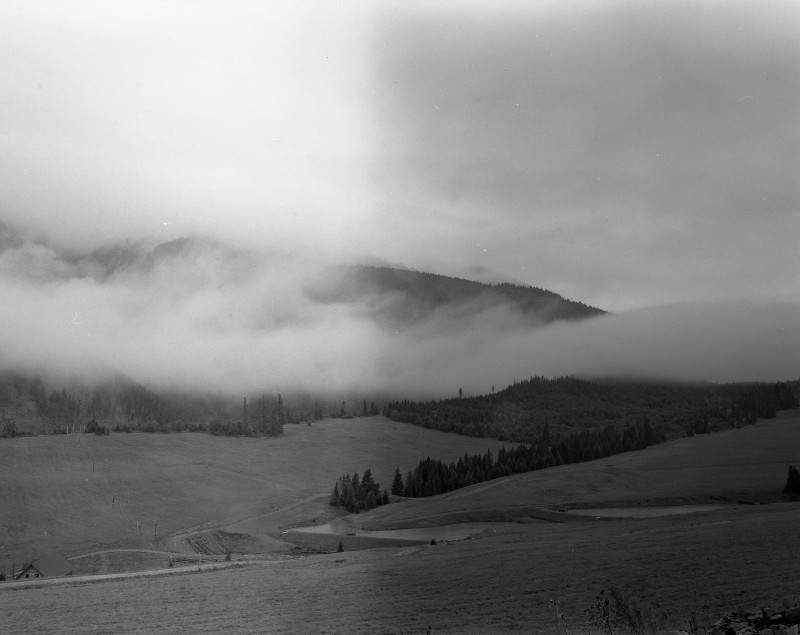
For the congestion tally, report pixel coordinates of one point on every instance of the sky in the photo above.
(638, 157)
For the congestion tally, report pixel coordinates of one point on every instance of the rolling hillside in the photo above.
(682, 570)
(739, 465)
(77, 493)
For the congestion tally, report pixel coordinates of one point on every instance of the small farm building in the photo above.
(53, 566)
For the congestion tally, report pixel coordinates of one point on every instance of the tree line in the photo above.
(566, 420)
(28, 406)
(433, 477)
(566, 404)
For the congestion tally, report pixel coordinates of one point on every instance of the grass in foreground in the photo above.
(703, 565)
(76, 494)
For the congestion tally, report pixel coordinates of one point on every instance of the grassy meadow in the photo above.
(748, 464)
(694, 566)
(707, 564)
(76, 494)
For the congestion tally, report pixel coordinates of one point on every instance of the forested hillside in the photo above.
(538, 409)
(567, 420)
(401, 297)
(28, 405)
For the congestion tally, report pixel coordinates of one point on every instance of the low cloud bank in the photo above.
(204, 316)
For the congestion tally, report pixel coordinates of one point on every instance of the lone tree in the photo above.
(792, 481)
(281, 413)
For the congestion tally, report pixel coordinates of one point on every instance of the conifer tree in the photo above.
(792, 481)
(347, 497)
(281, 415)
(408, 488)
(263, 414)
(397, 482)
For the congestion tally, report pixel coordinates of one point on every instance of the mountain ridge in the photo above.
(399, 296)
(395, 297)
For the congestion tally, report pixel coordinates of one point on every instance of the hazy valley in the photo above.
(125, 478)
(402, 318)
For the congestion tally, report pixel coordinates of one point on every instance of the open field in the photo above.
(747, 464)
(706, 564)
(710, 563)
(76, 494)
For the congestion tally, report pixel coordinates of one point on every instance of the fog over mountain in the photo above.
(201, 314)
(183, 182)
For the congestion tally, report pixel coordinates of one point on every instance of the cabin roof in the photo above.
(51, 566)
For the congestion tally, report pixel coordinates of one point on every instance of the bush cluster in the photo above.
(354, 494)
(95, 428)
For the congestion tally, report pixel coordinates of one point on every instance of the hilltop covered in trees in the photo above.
(400, 297)
(571, 421)
(567, 420)
(538, 408)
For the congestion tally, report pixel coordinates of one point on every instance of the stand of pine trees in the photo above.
(354, 494)
(566, 401)
(433, 477)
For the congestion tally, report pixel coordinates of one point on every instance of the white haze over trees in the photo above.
(200, 314)
(641, 158)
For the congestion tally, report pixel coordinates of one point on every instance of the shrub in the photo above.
(9, 429)
(792, 481)
(616, 611)
(94, 427)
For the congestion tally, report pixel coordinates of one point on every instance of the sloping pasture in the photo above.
(80, 493)
(747, 464)
(694, 566)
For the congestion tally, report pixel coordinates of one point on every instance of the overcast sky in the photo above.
(624, 154)
(627, 155)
